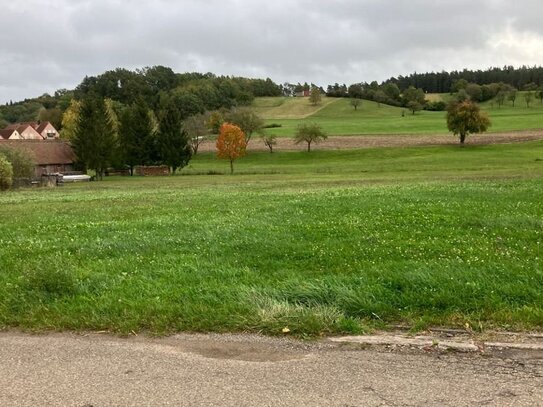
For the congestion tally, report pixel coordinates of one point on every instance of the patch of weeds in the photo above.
(301, 320)
(351, 326)
(51, 279)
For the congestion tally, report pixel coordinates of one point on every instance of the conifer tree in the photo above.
(173, 143)
(94, 141)
(135, 135)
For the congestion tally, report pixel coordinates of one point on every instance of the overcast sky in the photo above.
(50, 44)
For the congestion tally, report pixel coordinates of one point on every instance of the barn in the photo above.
(52, 156)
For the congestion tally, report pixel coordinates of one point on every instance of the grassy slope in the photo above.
(325, 242)
(337, 117)
(288, 108)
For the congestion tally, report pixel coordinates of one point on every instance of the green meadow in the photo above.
(338, 117)
(322, 243)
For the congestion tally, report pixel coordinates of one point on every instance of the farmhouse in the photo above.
(303, 93)
(54, 156)
(29, 131)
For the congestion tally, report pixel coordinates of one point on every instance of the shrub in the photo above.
(21, 162)
(272, 126)
(437, 106)
(6, 173)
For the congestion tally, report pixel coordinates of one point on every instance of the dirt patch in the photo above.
(248, 348)
(399, 140)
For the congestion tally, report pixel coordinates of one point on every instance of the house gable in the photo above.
(47, 131)
(28, 132)
(10, 134)
(33, 131)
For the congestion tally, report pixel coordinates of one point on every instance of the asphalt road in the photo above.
(212, 370)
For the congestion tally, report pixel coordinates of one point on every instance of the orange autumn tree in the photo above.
(231, 143)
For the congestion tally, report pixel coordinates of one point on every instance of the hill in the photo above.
(338, 117)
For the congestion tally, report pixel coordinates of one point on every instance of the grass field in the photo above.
(338, 117)
(322, 243)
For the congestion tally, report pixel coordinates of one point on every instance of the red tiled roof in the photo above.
(22, 126)
(43, 152)
(41, 127)
(6, 133)
(16, 126)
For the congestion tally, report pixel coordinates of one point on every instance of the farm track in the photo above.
(399, 140)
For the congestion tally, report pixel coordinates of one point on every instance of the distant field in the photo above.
(338, 117)
(288, 107)
(322, 243)
(434, 97)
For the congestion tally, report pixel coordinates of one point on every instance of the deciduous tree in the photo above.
(530, 86)
(197, 129)
(309, 133)
(528, 98)
(392, 91)
(355, 102)
(231, 143)
(6, 173)
(414, 106)
(474, 91)
(356, 91)
(464, 118)
(380, 97)
(416, 96)
(247, 120)
(500, 97)
(539, 95)
(22, 161)
(215, 121)
(315, 96)
(70, 119)
(52, 115)
(270, 140)
(459, 84)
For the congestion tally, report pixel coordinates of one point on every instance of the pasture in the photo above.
(323, 243)
(338, 117)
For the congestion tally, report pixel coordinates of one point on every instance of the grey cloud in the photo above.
(49, 44)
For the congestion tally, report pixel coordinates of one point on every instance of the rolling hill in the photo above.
(338, 117)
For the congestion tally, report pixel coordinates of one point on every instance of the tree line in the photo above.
(387, 93)
(443, 82)
(414, 98)
(108, 134)
(192, 92)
